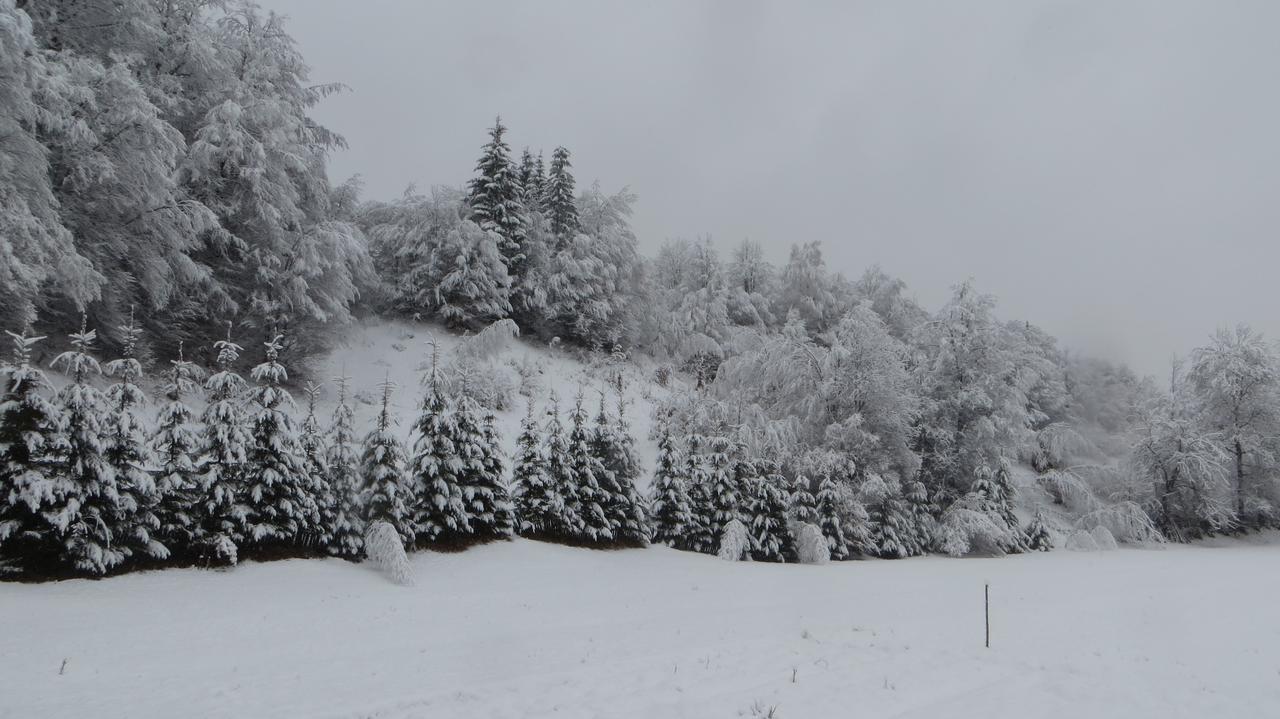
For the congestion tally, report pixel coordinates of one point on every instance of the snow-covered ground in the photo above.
(523, 629)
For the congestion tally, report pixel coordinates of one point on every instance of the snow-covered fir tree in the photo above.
(829, 519)
(281, 508)
(1036, 535)
(315, 461)
(488, 507)
(614, 447)
(33, 493)
(549, 506)
(175, 447)
(127, 452)
(990, 495)
(766, 514)
(346, 532)
(386, 493)
(893, 534)
(440, 508)
(223, 459)
(537, 504)
(803, 505)
(494, 198)
(470, 285)
(703, 534)
(591, 481)
(672, 515)
(560, 198)
(92, 517)
(922, 514)
(724, 482)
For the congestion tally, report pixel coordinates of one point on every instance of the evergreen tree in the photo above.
(614, 447)
(488, 506)
(829, 519)
(537, 504)
(530, 178)
(315, 461)
(892, 533)
(724, 481)
(591, 481)
(32, 491)
(470, 283)
(387, 493)
(175, 447)
(991, 493)
(127, 452)
(440, 510)
(703, 534)
(1037, 535)
(92, 515)
(560, 198)
(766, 511)
(922, 516)
(280, 506)
(804, 506)
(672, 515)
(223, 458)
(539, 202)
(554, 511)
(495, 198)
(346, 536)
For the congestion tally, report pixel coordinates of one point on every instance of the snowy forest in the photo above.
(174, 258)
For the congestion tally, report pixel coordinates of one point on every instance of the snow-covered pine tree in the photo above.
(315, 461)
(591, 481)
(614, 447)
(486, 502)
(280, 507)
(174, 447)
(766, 512)
(552, 508)
(724, 480)
(672, 515)
(126, 450)
(923, 523)
(223, 457)
(804, 506)
(440, 507)
(540, 174)
(494, 198)
(90, 516)
(536, 503)
(1036, 535)
(32, 490)
(560, 198)
(1002, 493)
(991, 495)
(892, 534)
(530, 180)
(346, 536)
(829, 519)
(703, 533)
(387, 492)
(472, 287)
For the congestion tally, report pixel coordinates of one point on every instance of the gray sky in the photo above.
(1108, 170)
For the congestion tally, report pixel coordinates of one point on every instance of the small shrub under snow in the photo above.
(383, 547)
(735, 543)
(811, 546)
(1081, 541)
(1103, 538)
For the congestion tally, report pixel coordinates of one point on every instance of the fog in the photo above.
(1107, 170)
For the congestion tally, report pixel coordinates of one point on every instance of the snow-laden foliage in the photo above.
(765, 513)
(670, 503)
(346, 533)
(174, 447)
(734, 541)
(384, 546)
(223, 460)
(489, 511)
(811, 546)
(439, 512)
(386, 493)
(614, 447)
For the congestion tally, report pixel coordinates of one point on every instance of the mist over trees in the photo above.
(163, 190)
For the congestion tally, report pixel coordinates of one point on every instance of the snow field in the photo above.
(524, 629)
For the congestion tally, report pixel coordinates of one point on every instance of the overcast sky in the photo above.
(1108, 170)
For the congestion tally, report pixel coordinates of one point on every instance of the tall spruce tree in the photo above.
(672, 515)
(724, 485)
(174, 447)
(223, 459)
(530, 179)
(560, 198)
(590, 479)
(91, 516)
(33, 492)
(892, 533)
(614, 447)
(127, 452)
(387, 492)
(440, 508)
(829, 519)
(555, 509)
(486, 502)
(703, 534)
(494, 198)
(766, 512)
(346, 536)
(804, 506)
(922, 514)
(281, 507)
(315, 461)
(538, 505)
